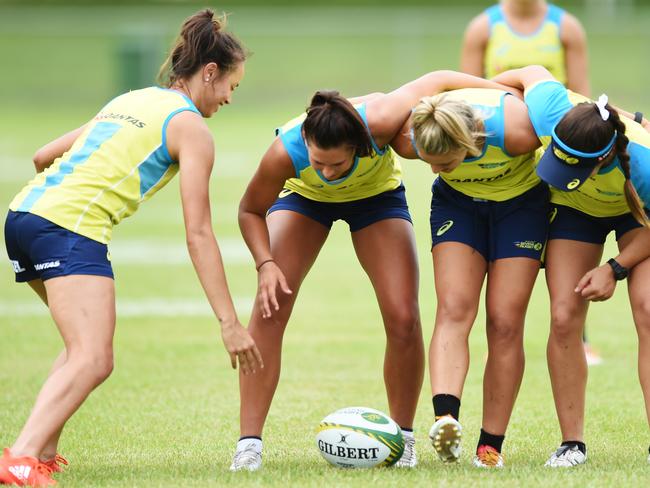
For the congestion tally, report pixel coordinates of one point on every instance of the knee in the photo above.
(455, 311)
(641, 312)
(98, 364)
(566, 322)
(505, 330)
(403, 325)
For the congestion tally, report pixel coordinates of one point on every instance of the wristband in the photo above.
(638, 117)
(620, 272)
(257, 268)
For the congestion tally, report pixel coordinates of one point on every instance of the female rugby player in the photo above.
(598, 165)
(489, 217)
(518, 33)
(334, 163)
(90, 179)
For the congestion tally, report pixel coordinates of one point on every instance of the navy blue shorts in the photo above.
(38, 248)
(358, 213)
(513, 228)
(572, 224)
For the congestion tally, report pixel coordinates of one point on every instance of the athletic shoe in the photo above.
(249, 458)
(445, 435)
(409, 459)
(57, 464)
(488, 457)
(592, 356)
(566, 457)
(24, 471)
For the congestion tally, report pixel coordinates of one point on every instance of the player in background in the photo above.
(518, 33)
(334, 163)
(597, 161)
(90, 179)
(489, 218)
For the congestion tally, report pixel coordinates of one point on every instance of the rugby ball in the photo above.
(359, 437)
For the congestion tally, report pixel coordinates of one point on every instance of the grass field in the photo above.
(169, 413)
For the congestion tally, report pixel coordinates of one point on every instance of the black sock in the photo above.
(487, 439)
(250, 437)
(444, 404)
(578, 444)
(406, 429)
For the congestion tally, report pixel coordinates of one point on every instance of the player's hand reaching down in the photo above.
(269, 279)
(241, 348)
(598, 284)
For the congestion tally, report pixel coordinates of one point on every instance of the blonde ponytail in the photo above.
(442, 124)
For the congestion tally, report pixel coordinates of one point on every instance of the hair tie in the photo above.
(600, 105)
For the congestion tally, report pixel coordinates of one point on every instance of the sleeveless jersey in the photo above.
(602, 195)
(120, 160)
(506, 49)
(368, 177)
(493, 175)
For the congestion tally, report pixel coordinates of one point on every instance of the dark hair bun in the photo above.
(323, 97)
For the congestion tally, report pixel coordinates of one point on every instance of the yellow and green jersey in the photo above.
(369, 176)
(494, 174)
(602, 195)
(507, 49)
(119, 161)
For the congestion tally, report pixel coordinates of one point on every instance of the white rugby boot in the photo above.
(445, 435)
(566, 457)
(248, 455)
(409, 458)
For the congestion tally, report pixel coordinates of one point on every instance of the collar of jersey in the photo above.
(340, 180)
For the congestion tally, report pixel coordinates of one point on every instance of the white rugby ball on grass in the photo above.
(360, 437)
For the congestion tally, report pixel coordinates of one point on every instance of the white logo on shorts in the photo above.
(16, 265)
(48, 265)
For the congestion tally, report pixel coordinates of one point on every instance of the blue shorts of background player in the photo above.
(358, 213)
(513, 228)
(38, 248)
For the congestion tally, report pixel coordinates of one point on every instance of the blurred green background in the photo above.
(62, 60)
(172, 393)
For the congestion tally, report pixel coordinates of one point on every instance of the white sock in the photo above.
(408, 434)
(245, 443)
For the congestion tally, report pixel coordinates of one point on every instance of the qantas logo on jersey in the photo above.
(126, 118)
(48, 265)
(479, 180)
(21, 472)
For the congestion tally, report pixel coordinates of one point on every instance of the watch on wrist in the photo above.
(638, 117)
(620, 272)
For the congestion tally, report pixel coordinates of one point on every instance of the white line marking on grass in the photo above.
(146, 307)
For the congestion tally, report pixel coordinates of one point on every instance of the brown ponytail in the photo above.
(620, 146)
(583, 128)
(201, 41)
(332, 121)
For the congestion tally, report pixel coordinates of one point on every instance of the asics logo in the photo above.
(573, 184)
(444, 227)
(17, 267)
(48, 265)
(21, 472)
